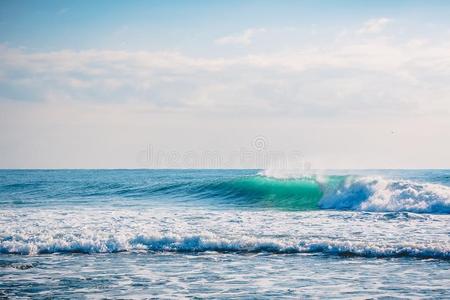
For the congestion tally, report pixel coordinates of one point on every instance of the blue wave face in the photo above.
(418, 191)
(259, 191)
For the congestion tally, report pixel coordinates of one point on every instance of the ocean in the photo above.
(251, 234)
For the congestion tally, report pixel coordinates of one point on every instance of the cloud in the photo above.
(374, 26)
(337, 101)
(357, 77)
(243, 38)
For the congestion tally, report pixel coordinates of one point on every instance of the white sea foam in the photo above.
(202, 243)
(379, 194)
(29, 232)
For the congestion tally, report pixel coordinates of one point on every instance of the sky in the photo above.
(225, 84)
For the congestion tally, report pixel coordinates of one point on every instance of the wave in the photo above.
(309, 192)
(260, 191)
(379, 194)
(275, 189)
(205, 243)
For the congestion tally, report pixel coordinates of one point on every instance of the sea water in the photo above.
(224, 234)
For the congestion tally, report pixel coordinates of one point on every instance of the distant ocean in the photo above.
(224, 234)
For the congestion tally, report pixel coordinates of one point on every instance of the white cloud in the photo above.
(374, 25)
(243, 38)
(337, 102)
(359, 76)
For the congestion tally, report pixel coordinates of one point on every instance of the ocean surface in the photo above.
(248, 234)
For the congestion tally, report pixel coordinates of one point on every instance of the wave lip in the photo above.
(205, 243)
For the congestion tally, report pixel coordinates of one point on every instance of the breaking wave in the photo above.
(379, 194)
(199, 243)
(267, 189)
(374, 194)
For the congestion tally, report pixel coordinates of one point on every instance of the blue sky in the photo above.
(190, 25)
(349, 84)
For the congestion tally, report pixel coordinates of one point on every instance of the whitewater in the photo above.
(224, 233)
